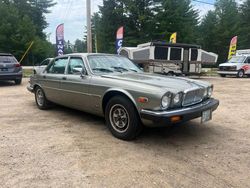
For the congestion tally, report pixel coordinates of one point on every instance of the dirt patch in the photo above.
(67, 148)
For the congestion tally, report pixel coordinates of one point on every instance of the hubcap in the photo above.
(241, 74)
(119, 118)
(39, 97)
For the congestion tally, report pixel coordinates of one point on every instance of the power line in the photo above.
(203, 2)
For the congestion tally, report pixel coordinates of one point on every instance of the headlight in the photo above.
(205, 92)
(166, 100)
(177, 98)
(209, 91)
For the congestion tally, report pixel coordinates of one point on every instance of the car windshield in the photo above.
(7, 59)
(109, 64)
(237, 59)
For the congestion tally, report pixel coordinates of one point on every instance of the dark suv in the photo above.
(10, 69)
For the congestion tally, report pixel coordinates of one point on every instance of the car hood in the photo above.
(171, 83)
(228, 64)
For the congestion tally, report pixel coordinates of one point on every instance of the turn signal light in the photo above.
(175, 119)
(143, 99)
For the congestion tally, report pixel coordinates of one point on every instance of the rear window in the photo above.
(8, 59)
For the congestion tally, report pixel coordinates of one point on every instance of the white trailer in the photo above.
(169, 58)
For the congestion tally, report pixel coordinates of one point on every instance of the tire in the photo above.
(223, 75)
(18, 81)
(41, 100)
(122, 118)
(240, 74)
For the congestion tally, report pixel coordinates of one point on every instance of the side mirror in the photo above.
(83, 72)
(77, 71)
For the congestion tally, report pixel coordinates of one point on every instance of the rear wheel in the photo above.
(240, 74)
(18, 81)
(41, 100)
(122, 118)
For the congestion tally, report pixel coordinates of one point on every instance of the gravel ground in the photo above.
(67, 148)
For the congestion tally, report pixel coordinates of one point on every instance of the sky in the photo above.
(73, 14)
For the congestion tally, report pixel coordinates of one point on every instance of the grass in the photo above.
(27, 73)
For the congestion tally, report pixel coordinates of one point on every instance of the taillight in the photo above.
(17, 65)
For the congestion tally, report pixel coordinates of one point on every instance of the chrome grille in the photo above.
(193, 97)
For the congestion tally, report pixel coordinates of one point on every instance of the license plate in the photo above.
(206, 116)
(4, 69)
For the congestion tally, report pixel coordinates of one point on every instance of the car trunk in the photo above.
(8, 64)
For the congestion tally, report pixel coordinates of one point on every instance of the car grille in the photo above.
(193, 97)
(226, 68)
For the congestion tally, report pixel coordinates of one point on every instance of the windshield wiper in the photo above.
(102, 70)
(124, 69)
(120, 68)
(133, 70)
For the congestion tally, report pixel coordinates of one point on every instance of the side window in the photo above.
(45, 62)
(248, 60)
(175, 54)
(58, 66)
(75, 66)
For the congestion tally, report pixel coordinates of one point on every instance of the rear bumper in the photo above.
(11, 76)
(156, 118)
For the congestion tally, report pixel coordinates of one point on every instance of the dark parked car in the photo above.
(10, 69)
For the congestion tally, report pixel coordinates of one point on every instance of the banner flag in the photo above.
(233, 47)
(119, 38)
(173, 38)
(60, 39)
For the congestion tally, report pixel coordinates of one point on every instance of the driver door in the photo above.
(75, 85)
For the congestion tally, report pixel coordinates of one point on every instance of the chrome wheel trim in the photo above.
(119, 118)
(39, 97)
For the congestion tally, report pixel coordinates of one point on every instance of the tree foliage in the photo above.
(21, 22)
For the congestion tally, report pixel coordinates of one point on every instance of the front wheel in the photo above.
(41, 100)
(240, 74)
(122, 118)
(222, 75)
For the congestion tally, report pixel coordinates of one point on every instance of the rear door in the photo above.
(51, 79)
(75, 85)
(8, 64)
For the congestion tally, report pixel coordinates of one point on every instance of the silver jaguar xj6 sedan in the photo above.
(114, 87)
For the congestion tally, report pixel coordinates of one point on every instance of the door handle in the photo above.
(64, 78)
(44, 77)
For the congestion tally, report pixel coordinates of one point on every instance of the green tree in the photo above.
(80, 46)
(21, 22)
(228, 25)
(244, 39)
(176, 16)
(208, 32)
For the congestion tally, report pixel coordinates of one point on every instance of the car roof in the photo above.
(85, 54)
(5, 54)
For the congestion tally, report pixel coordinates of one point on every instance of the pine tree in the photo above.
(228, 26)
(176, 16)
(244, 39)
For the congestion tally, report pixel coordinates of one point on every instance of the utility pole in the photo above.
(89, 33)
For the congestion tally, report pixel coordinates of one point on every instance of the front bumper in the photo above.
(161, 118)
(30, 89)
(228, 72)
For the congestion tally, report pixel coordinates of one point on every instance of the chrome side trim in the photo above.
(76, 92)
